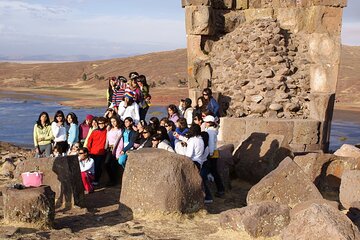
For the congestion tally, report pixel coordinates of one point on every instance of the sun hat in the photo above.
(209, 118)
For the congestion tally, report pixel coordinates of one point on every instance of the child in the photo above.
(87, 168)
(74, 149)
(55, 152)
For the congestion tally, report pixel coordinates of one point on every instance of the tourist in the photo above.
(119, 91)
(163, 121)
(109, 113)
(96, 145)
(113, 137)
(154, 123)
(43, 136)
(198, 119)
(200, 106)
(162, 130)
(133, 75)
(84, 128)
(87, 169)
(210, 166)
(144, 103)
(181, 130)
(139, 128)
(170, 128)
(129, 137)
(173, 113)
(188, 111)
(59, 132)
(134, 90)
(212, 104)
(93, 126)
(74, 150)
(146, 140)
(110, 90)
(158, 142)
(55, 152)
(73, 132)
(129, 108)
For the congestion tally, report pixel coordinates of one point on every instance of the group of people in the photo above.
(106, 140)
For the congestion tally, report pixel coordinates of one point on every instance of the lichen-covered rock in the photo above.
(287, 184)
(321, 222)
(264, 219)
(156, 180)
(30, 207)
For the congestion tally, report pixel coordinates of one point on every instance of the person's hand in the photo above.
(122, 153)
(176, 135)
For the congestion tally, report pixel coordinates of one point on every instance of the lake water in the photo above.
(18, 117)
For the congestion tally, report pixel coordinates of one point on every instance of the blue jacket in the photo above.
(213, 106)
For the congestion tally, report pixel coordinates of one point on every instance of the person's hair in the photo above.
(47, 122)
(154, 123)
(113, 111)
(149, 129)
(204, 101)
(142, 123)
(208, 92)
(102, 119)
(164, 119)
(194, 131)
(182, 123)
(142, 79)
(56, 147)
(122, 79)
(198, 116)
(61, 113)
(73, 117)
(174, 109)
(118, 122)
(158, 136)
(94, 119)
(133, 73)
(130, 120)
(84, 149)
(162, 130)
(130, 101)
(172, 124)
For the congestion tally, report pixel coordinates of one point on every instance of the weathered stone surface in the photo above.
(322, 221)
(253, 14)
(259, 155)
(30, 207)
(347, 150)
(235, 126)
(264, 219)
(242, 4)
(350, 188)
(283, 186)
(199, 20)
(7, 168)
(306, 132)
(225, 161)
(156, 180)
(185, 3)
(304, 205)
(62, 174)
(312, 164)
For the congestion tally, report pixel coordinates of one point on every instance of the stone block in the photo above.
(287, 184)
(304, 205)
(350, 188)
(322, 221)
(259, 154)
(226, 21)
(312, 164)
(185, 3)
(225, 162)
(62, 174)
(156, 180)
(324, 49)
(323, 77)
(347, 150)
(242, 4)
(29, 207)
(222, 4)
(255, 13)
(264, 219)
(232, 130)
(199, 20)
(321, 106)
(194, 94)
(330, 3)
(291, 19)
(306, 131)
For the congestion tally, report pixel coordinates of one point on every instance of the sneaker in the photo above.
(208, 201)
(95, 183)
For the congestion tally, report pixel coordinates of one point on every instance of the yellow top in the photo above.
(42, 136)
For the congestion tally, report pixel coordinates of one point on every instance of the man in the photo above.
(96, 146)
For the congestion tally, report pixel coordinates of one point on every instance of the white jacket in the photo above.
(58, 132)
(196, 149)
(213, 132)
(129, 111)
(87, 165)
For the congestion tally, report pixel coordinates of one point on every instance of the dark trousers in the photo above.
(98, 159)
(142, 112)
(112, 167)
(203, 175)
(210, 166)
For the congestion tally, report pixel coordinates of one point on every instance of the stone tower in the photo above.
(273, 64)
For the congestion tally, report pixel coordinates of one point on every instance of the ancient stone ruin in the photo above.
(270, 61)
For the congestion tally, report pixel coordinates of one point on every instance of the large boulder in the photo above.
(350, 188)
(259, 154)
(29, 207)
(321, 222)
(156, 180)
(347, 150)
(287, 184)
(312, 164)
(62, 174)
(264, 219)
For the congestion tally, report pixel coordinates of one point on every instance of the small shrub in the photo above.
(84, 77)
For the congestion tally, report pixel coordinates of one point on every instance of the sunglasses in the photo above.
(154, 140)
(81, 153)
(101, 123)
(166, 126)
(144, 132)
(205, 94)
(59, 116)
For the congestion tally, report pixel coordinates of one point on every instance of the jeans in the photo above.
(210, 166)
(99, 160)
(44, 150)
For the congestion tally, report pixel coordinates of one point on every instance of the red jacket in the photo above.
(97, 141)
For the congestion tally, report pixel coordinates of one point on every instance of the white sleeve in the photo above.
(189, 117)
(121, 109)
(55, 129)
(189, 148)
(137, 115)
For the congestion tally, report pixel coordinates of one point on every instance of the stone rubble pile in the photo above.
(263, 70)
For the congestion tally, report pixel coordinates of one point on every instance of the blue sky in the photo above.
(107, 27)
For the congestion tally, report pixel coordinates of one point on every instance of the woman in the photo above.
(200, 106)
(73, 132)
(212, 104)
(146, 141)
(173, 113)
(158, 142)
(113, 138)
(129, 108)
(59, 132)
(154, 123)
(145, 96)
(43, 136)
(170, 128)
(94, 125)
(139, 128)
(129, 137)
(110, 90)
(87, 169)
(84, 128)
(119, 91)
(188, 111)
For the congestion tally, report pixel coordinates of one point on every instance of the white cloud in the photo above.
(20, 7)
